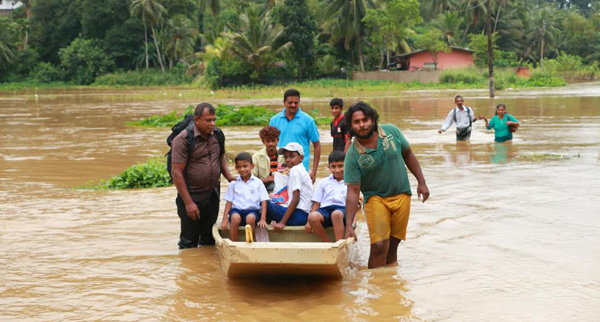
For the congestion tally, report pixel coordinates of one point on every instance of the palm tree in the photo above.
(180, 37)
(450, 24)
(346, 23)
(547, 22)
(8, 47)
(256, 39)
(152, 13)
(27, 6)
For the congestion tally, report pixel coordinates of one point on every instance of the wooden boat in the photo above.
(291, 252)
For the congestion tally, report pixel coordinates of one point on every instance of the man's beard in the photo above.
(368, 135)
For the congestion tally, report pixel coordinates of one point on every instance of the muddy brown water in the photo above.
(511, 233)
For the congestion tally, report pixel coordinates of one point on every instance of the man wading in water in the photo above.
(463, 117)
(196, 175)
(375, 166)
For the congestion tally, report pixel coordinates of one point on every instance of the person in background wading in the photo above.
(464, 118)
(197, 178)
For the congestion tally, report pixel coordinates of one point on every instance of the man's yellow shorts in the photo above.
(387, 216)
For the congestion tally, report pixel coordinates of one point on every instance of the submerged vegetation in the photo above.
(227, 115)
(534, 157)
(150, 174)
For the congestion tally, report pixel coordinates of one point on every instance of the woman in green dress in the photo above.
(502, 123)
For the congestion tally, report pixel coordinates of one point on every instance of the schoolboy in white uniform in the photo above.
(299, 189)
(246, 197)
(329, 197)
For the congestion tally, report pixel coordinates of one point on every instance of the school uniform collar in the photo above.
(252, 177)
(380, 132)
(333, 179)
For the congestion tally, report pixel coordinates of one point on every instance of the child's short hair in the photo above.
(244, 156)
(269, 132)
(336, 101)
(336, 156)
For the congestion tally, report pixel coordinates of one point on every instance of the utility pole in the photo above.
(490, 48)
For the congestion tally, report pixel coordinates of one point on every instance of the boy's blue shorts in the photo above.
(276, 212)
(327, 211)
(244, 214)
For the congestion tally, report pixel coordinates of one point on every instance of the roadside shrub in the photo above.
(84, 60)
(45, 72)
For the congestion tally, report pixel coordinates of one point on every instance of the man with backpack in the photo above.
(464, 118)
(198, 160)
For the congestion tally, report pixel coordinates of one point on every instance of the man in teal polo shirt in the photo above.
(376, 165)
(297, 126)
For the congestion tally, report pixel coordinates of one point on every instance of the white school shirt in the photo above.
(246, 195)
(462, 118)
(300, 180)
(330, 192)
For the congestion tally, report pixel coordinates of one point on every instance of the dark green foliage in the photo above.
(84, 60)
(98, 17)
(125, 42)
(55, 24)
(45, 73)
(142, 77)
(301, 28)
(244, 115)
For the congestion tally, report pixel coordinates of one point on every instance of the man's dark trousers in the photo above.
(198, 232)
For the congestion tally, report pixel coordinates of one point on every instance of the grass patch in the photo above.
(227, 115)
(150, 174)
(151, 77)
(17, 86)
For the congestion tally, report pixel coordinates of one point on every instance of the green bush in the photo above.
(151, 77)
(84, 60)
(151, 174)
(45, 73)
(465, 76)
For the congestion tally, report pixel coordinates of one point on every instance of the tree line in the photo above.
(221, 42)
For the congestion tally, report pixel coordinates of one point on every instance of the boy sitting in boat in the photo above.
(329, 201)
(299, 188)
(266, 160)
(246, 197)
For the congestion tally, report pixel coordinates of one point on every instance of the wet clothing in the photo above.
(380, 171)
(203, 172)
(464, 120)
(387, 216)
(301, 129)
(202, 175)
(340, 133)
(501, 130)
(198, 232)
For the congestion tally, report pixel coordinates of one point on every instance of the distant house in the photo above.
(7, 7)
(422, 60)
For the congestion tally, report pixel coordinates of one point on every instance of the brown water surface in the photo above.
(511, 232)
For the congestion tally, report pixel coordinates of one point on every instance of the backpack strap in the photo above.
(221, 138)
(468, 116)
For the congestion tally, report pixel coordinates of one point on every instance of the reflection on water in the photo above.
(503, 152)
(501, 238)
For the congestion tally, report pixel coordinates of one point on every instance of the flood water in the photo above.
(510, 233)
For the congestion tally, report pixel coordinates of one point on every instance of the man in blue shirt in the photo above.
(297, 126)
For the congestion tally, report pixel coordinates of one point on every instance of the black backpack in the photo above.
(188, 124)
(468, 115)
